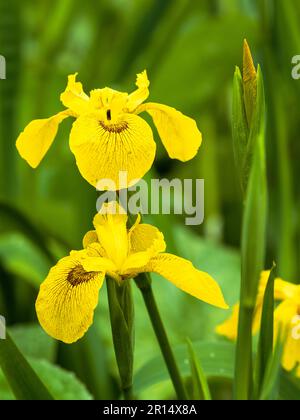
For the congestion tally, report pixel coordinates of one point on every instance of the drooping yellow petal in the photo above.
(287, 319)
(103, 150)
(110, 225)
(141, 94)
(74, 97)
(35, 141)
(67, 299)
(179, 133)
(186, 277)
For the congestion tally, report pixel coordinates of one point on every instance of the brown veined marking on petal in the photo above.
(114, 128)
(119, 148)
(78, 276)
(116, 134)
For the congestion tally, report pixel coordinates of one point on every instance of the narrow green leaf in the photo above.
(270, 386)
(200, 385)
(265, 346)
(23, 380)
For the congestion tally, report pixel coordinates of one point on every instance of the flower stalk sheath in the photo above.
(121, 310)
(253, 174)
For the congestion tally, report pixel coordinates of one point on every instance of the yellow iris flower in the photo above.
(286, 316)
(109, 136)
(69, 295)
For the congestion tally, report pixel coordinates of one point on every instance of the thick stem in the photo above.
(144, 284)
(243, 368)
(121, 312)
(128, 394)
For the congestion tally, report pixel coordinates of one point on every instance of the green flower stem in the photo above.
(143, 282)
(244, 368)
(128, 394)
(121, 312)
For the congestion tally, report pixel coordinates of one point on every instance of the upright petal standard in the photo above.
(109, 137)
(69, 295)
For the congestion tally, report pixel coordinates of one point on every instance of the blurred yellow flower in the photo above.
(287, 316)
(69, 295)
(108, 136)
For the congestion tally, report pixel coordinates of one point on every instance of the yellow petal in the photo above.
(101, 264)
(186, 277)
(282, 290)
(103, 151)
(74, 97)
(291, 354)
(90, 238)
(35, 141)
(148, 238)
(141, 94)
(111, 103)
(67, 299)
(133, 263)
(110, 225)
(285, 290)
(145, 241)
(285, 316)
(229, 328)
(136, 223)
(179, 133)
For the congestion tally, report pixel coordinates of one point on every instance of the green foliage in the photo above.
(200, 385)
(23, 380)
(63, 385)
(217, 361)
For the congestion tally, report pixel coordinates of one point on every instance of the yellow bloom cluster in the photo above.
(287, 316)
(109, 136)
(69, 295)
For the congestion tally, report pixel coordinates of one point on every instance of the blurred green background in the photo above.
(190, 49)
